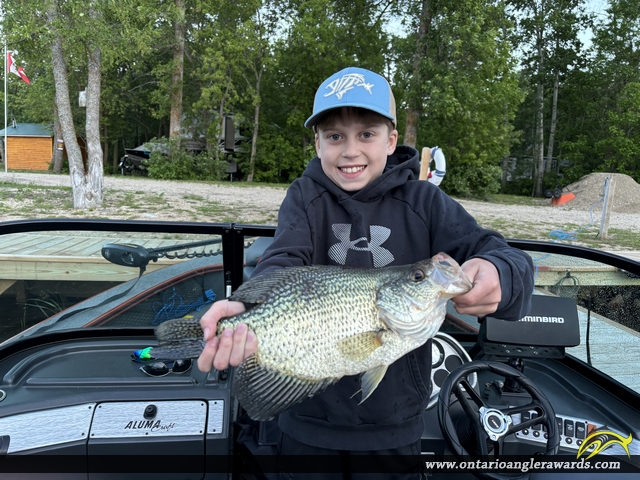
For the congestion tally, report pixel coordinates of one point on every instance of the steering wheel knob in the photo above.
(494, 422)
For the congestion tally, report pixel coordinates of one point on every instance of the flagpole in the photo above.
(5, 106)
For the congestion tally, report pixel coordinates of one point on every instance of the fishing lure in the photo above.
(142, 354)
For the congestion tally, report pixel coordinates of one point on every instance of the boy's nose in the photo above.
(351, 149)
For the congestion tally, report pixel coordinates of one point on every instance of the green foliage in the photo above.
(262, 60)
(471, 92)
(278, 161)
(621, 149)
(169, 162)
(475, 182)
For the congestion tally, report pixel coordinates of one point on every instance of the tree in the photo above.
(178, 71)
(87, 192)
(600, 103)
(470, 94)
(621, 148)
(548, 34)
(415, 92)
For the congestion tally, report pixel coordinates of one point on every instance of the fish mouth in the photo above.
(450, 276)
(458, 286)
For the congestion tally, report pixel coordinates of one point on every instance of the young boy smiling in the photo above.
(359, 203)
(353, 145)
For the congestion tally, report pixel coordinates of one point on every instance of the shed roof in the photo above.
(28, 130)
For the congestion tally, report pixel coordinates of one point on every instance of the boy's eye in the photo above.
(367, 134)
(335, 137)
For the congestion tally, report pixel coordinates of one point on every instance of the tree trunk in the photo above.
(539, 143)
(58, 155)
(414, 107)
(256, 124)
(74, 155)
(178, 73)
(115, 156)
(220, 126)
(505, 171)
(539, 140)
(87, 186)
(552, 126)
(105, 146)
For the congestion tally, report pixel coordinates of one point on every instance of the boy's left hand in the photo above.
(484, 297)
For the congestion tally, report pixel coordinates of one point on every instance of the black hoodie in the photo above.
(395, 220)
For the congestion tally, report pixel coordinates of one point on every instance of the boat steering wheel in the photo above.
(493, 424)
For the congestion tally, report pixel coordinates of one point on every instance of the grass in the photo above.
(34, 201)
(617, 239)
(516, 200)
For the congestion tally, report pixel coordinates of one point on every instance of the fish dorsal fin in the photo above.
(257, 289)
(264, 392)
(370, 381)
(360, 346)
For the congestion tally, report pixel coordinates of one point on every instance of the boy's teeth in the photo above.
(351, 169)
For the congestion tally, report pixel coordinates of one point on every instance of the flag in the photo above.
(19, 71)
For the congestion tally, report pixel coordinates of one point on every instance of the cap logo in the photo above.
(340, 86)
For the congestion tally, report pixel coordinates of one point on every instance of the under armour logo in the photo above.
(347, 82)
(381, 256)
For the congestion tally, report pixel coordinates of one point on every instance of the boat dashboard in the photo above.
(559, 385)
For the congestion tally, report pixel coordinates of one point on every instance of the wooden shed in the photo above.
(29, 146)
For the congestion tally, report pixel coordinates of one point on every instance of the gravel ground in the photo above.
(143, 198)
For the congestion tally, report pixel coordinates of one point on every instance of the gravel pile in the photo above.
(589, 190)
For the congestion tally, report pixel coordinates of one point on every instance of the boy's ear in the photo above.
(393, 142)
(317, 145)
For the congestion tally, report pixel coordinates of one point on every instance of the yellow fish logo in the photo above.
(603, 439)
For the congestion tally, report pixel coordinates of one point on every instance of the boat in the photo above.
(553, 395)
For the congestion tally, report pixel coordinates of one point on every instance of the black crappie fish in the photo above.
(317, 324)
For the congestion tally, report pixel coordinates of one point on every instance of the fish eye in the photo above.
(417, 275)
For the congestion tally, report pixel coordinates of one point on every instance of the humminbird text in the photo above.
(531, 318)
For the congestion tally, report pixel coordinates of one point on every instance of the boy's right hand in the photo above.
(232, 347)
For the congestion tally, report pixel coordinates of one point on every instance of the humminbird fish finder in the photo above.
(551, 325)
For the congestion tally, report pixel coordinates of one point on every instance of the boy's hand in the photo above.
(484, 297)
(232, 347)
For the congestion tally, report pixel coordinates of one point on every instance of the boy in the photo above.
(360, 203)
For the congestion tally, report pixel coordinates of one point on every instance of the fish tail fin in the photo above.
(178, 338)
(178, 350)
(178, 328)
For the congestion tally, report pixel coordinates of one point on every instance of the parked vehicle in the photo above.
(79, 297)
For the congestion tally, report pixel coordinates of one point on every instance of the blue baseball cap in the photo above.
(354, 87)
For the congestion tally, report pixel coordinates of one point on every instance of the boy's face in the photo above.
(353, 154)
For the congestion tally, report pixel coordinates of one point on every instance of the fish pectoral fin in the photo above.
(264, 392)
(370, 381)
(360, 346)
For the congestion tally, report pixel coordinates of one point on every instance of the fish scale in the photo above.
(317, 324)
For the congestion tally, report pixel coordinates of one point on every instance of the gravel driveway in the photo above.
(144, 198)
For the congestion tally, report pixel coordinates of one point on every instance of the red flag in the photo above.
(16, 69)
